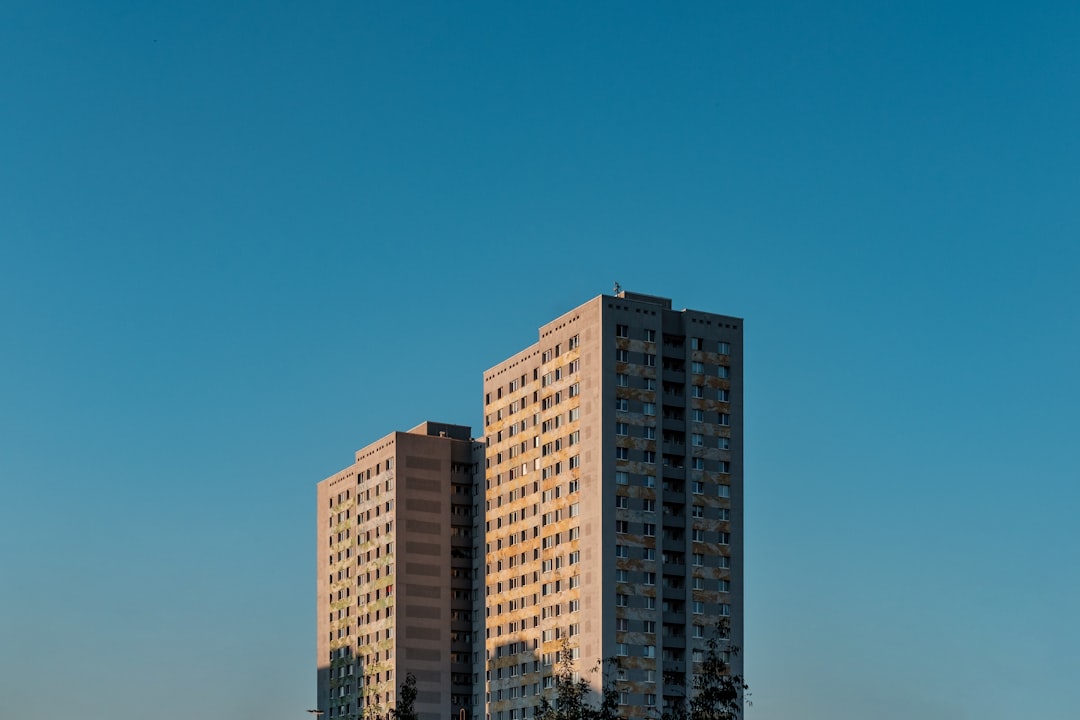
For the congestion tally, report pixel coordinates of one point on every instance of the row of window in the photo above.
(696, 343)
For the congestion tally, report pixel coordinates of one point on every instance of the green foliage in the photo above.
(405, 708)
(573, 695)
(717, 693)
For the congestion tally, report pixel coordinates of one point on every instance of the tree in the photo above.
(405, 708)
(717, 693)
(572, 694)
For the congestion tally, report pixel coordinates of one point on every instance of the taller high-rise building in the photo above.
(613, 502)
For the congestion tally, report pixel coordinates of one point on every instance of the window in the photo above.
(622, 428)
(650, 627)
(650, 530)
(622, 527)
(725, 419)
(725, 609)
(622, 404)
(622, 453)
(622, 600)
(723, 466)
(649, 651)
(622, 649)
(650, 699)
(724, 586)
(650, 335)
(723, 443)
(723, 371)
(622, 380)
(622, 551)
(697, 439)
(699, 558)
(622, 502)
(650, 360)
(648, 505)
(723, 395)
(724, 514)
(622, 331)
(650, 578)
(697, 367)
(622, 478)
(699, 583)
(699, 535)
(698, 463)
(648, 408)
(698, 511)
(622, 576)
(724, 538)
(573, 344)
(622, 355)
(724, 491)
(650, 456)
(697, 415)
(699, 487)
(699, 607)
(724, 348)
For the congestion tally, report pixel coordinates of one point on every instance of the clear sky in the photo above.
(239, 241)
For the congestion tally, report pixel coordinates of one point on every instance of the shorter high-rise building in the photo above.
(397, 554)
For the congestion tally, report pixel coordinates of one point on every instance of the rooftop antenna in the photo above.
(618, 288)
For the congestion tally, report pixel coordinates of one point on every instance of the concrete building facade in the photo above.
(613, 501)
(398, 551)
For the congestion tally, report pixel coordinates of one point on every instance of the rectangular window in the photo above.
(699, 535)
(622, 551)
(622, 428)
(725, 419)
(725, 609)
(724, 491)
(622, 380)
(650, 335)
(724, 348)
(649, 360)
(723, 443)
(723, 395)
(622, 600)
(723, 371)
(699, 558)
(649, 651)
(724, 538)
(650, 530)
(698, 463)
(699, 607)
(622, 527)
(622, 404)
(622, 356)
(697, 439)
(622, 502)
(697, 367)
(648, 408)
(622, 331)
(622, 478)
(650, 578)
(650, 456)
(622, 453)
(698, 487)
(573, 344)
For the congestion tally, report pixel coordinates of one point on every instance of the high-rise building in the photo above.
(613, 501)
(397, 554)
(601, 513)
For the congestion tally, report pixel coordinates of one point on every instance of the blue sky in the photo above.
(239, 242)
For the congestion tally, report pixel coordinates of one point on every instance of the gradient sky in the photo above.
(239, 241)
